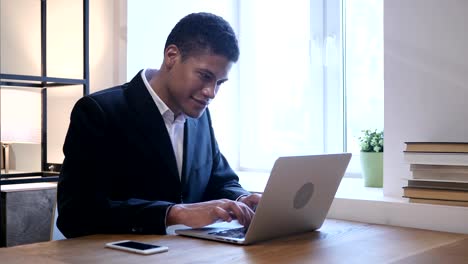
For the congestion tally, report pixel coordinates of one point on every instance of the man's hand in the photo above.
(251, 200)
(201, 214)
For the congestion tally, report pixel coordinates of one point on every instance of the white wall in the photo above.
(426, 78)
(20, 54)
(107, 57)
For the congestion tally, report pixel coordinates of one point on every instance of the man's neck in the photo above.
(157, 83)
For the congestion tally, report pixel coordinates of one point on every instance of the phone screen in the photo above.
(136, 245)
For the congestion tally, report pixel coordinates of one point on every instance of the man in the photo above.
(142, 156)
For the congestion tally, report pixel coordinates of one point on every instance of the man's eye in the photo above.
(204, 76)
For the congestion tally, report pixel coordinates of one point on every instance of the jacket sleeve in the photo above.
(224, 182)
(84, 205)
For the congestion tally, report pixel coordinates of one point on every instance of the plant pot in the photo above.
(372, 168)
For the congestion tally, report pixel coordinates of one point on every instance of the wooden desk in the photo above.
(336, 242)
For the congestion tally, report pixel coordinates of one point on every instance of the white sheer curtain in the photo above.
(283, 78)
(364, 67)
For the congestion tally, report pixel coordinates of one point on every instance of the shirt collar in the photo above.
(166, 113)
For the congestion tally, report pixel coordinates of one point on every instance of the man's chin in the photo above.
(195, 113)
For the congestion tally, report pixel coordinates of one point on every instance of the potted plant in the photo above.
(372, 146)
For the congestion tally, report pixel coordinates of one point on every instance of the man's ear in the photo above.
(171, 55)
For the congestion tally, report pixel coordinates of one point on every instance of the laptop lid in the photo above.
(296, 199)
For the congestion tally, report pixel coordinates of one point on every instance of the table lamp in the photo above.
(20, 119)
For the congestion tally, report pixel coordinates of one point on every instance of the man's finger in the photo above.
(243, 213)
(221, 214)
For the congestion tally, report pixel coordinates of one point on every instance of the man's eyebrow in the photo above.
(206, 71)
(222, 81)
(212, 75)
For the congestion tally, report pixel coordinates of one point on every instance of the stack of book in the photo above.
(439, 173)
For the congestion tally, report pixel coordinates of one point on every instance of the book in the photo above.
(432, 158)
(429, 175)
(439, 168)
(438, 202)
(438, 194)
(445, 185)
(447, 147)
(439, 172)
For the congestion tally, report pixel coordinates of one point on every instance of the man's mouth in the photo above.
(201, 102)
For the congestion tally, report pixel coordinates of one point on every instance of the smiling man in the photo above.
(142, 156)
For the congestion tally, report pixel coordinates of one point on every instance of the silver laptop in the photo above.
(296, 199)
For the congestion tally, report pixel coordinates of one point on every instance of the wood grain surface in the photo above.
(336, 242)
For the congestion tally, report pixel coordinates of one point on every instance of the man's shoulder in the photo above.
(103, 99)
(108, 93)
(106, 100)
(116, 91)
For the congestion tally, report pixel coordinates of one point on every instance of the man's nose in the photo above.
(209, 91)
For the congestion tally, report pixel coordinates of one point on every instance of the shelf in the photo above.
(28, 187)
(19, 177)
(37, 81)
(21, 180)
(47, 172)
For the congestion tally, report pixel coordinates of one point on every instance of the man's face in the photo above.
(193, 82)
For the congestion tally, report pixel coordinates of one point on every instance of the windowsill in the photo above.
(350, 188)
(353, 188)
(355, 202)
(253, 181)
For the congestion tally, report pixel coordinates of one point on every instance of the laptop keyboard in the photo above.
(234, 233)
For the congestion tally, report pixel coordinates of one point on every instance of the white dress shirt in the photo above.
(174, 124)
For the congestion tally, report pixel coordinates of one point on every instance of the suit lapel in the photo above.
(189, 147)
(149, 122)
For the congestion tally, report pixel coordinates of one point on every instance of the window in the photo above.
(309, 78)
(290, 79)
(363, 68)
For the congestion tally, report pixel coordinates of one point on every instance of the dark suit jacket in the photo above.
(120, 174)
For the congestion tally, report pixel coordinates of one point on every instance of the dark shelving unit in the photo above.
(49, 171)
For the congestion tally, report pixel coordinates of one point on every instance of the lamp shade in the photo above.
(20, 116)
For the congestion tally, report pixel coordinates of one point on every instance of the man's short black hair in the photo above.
(204, 32)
